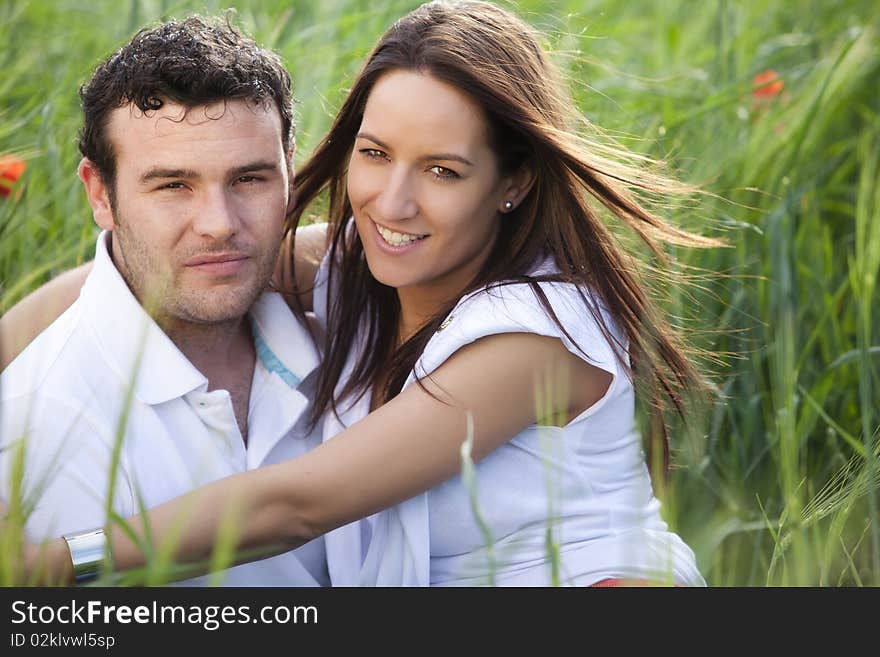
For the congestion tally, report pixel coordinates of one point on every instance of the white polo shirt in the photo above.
(83, 381)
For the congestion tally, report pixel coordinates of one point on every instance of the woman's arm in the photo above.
(309, 249)
(407, 446)
(30, 316)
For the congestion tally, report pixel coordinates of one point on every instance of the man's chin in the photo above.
(215, 308)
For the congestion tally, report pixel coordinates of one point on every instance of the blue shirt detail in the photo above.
(270, 361)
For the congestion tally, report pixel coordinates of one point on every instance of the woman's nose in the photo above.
(396, 200)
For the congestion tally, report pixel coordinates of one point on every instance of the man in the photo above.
(173, 368)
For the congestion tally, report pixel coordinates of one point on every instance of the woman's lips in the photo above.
(389, 248)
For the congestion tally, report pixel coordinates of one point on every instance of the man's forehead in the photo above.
(173, 116)
(199, 133)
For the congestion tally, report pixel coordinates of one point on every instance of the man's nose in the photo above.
(216, 216)
(397, 198)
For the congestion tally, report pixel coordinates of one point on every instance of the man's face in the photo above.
(200, 199)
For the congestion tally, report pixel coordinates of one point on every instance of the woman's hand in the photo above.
(27, 563)
(17, 562)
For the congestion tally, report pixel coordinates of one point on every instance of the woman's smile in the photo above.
(398, 239)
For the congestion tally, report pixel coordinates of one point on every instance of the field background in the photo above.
(778, 485)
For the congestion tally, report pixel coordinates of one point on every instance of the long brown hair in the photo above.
(495, 58)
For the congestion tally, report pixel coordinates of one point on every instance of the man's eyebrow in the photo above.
(452, 157)
(259, 165)
(159, 173)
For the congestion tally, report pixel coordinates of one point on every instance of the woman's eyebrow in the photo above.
(431, 156)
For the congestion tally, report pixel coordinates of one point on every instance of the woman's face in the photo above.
(425, 186)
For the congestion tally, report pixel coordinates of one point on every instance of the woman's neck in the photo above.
(415, 312)
(419, 303)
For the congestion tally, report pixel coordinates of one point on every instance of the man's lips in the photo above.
(214, 259)
(223, 265)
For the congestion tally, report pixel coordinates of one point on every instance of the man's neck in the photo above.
(225, 354)
(217, 350)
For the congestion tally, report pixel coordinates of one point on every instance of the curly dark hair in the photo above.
(195, 61)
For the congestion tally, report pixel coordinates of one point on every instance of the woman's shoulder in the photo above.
(535, 300)
(526, 299)
(539, 303)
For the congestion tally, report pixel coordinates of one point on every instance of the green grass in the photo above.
(778, 485)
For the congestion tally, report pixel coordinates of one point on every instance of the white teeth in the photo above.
(398, 239)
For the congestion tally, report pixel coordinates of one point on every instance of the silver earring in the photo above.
(508, 206)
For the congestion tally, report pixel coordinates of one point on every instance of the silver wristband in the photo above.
(86, 553)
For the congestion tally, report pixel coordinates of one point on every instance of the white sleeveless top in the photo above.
(585, 485)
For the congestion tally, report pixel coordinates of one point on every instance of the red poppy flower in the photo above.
(767, 84)
(11, 168)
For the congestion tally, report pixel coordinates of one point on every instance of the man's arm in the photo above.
(30, 316)
(55, 467)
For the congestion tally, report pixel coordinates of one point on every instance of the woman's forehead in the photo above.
(409, 106)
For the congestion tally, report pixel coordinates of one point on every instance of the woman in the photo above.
(468, 270)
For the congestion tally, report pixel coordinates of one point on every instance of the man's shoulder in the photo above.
(55, 422)
(34, 366)
(53, 397)
(56, 430)
(64, 362)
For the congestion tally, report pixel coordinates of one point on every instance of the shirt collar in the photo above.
(283, 344)
(140, 351)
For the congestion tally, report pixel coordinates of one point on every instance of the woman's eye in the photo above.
(373, 153)
(443, 173)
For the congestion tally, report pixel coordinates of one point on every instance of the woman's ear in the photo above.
(97, 192)
(519, 184)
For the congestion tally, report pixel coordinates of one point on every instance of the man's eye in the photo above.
(172, 185)
(248, 179)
